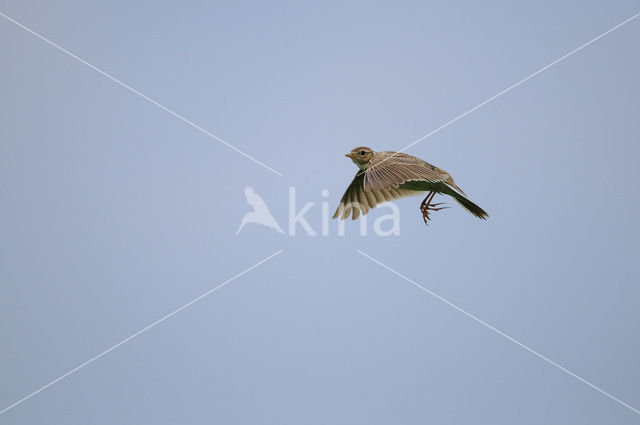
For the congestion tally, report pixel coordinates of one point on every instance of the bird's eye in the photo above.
(362, 153)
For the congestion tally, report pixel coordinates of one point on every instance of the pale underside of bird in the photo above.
(386, 176)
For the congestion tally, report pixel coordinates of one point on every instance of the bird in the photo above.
(385, 176)
(260, 213)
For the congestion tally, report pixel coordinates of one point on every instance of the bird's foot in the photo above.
(426, 208)
(431, 207)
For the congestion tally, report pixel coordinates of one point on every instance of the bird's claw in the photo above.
(427, 206)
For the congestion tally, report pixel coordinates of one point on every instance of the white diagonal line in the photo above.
(433, 294)
(164, 108)
(139, 332)
(480, 105)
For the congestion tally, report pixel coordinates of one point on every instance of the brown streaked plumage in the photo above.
(385, 176)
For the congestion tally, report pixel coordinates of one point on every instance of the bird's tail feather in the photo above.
(469, 206)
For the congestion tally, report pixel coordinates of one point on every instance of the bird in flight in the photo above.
(385, 176)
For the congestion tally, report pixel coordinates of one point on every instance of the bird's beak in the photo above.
(349, 155)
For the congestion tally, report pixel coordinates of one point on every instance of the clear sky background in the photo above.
(114, 213)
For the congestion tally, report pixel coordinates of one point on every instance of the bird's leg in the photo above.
(424, 207)
(426, 201)
(427, 206)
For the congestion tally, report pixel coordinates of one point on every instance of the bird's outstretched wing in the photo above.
(356, 200)
(391, 169)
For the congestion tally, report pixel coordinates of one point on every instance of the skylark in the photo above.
(384, 176)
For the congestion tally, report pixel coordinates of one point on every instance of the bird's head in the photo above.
(361, 156)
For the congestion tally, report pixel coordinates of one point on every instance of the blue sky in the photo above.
(116, 213)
